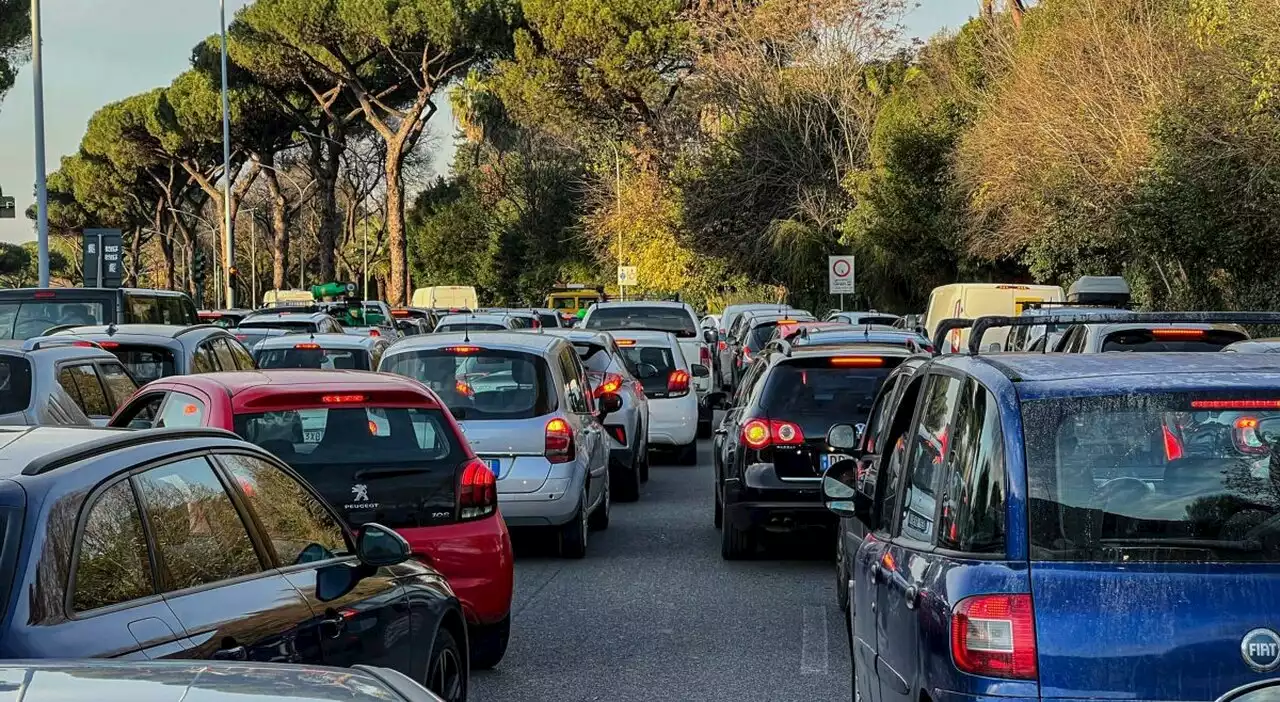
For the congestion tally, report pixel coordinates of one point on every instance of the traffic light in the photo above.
(198, 267)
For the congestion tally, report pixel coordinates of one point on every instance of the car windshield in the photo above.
(312, 356)
(669, 319)
(146, 363)
(15, 384)
(158, 309)
(295, 326)
(28, 319)
(1155, 478)
(1156, 340)
(480, 384)
(663, 360)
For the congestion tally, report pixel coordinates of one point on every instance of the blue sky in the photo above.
(99, 51)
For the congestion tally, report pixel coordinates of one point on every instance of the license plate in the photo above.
(495, 465)
(312, 436)
(830, 459)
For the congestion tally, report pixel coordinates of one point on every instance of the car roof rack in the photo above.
(118, 440)
(1042, 304)
(909, 337)
(981, 325)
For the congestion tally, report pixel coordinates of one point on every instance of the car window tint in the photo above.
(68, 383)
(120, 386)
(895, 453)
(15, 384)
(181, 410)
(973, 489)
(112, 565)
(198, 533)
(573, 385)
(204, 361)
(927, 452)
(93, 399)
(300, 528)
(244, 360)
(222, 351)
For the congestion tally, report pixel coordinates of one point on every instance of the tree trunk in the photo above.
(1016, 9)
(169, 277)
(326, 169)
(397, 289)
(279, 232)
(135, 259)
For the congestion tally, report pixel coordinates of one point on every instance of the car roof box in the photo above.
(1109, 290)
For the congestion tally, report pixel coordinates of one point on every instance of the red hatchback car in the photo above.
(380, 448)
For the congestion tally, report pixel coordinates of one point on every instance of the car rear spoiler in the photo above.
(50, 342)
(981, 325)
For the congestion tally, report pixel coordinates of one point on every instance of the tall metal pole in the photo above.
(617, 171)
(253, 257)
(365, 203)
(228, 244)
(42, 189)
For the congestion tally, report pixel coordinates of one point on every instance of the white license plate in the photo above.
(312, 436)
(495, 465)
(830, 459)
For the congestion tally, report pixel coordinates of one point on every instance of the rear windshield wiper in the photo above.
(1247, 546)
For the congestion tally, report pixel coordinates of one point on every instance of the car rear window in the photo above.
(550, 320)
(593, 356)
(469, 326)
(145, 363)
(663, 360)
(15, 384)
(293, 326)
(159, 309)
(300, 357)
(480, 384)
(395, 465)
(1154, 340)
(825, 387)
(31, 318)
(669, 319)
(1172, 477)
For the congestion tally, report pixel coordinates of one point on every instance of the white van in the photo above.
(459, 297)
(973, 300)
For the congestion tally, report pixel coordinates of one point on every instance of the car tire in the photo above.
(688, 454)
(489, 643)
(736, 544)
(599, 519)
(446, 670)
(719, 514)
(628, 479)
(705, 429)
(573, 533)
(842, 579)
(644, 463)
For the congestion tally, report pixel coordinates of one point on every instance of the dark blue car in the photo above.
(1049, 526)
(190, 543)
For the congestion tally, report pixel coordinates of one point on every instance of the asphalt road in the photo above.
(654, 613)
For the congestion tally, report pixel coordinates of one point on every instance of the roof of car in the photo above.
(478, 318)
(578, 336)
(872, 349)
(275, 379)
(166, 331)
(674, 304)
(53, 352)
(1061, 309)
(644, 336)
(131, 291)
(45, 447)
(1039, 367)
(512, 340)
(1254, 346)
(326, 341)
(284, 314)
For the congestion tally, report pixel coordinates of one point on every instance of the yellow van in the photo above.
(274, 298)
(454, 297)
(973, 300)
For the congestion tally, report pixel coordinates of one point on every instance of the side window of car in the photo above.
(973, 485)
(748, 383)
(181, 410)
(204, 360)
(198, 534)
(120, 387)
(573, 383)
(244, 361)
(68, 383)
(222, 352)
(112, 565)
(879, 417)
(141, 413)
(894, 456)
(927, 452)
(300, 528)
(93, 398)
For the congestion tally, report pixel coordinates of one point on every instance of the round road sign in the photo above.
(841, 268)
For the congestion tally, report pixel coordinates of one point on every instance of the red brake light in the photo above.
(307, 346)
(400, 313)
(785, 433)
(724, 345)
(1235, 404)
(477, 490)
(374, 332)
(341, 399)
(1172, 445)
(1177, 333)
(558, 445)
(45, 294)
(611, 383)
(464, 389)
(84, 344)
(1246, 436)
(619, 432)
(857, 361)
(678, 383)
(110, 344)
(755, 434)
(626, 342)
(704, 356)
(994, 635)
(461, 349)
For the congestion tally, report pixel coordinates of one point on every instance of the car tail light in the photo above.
(85, 344)
(109, 344)
(461, 349)
(464, 389)
(1235, 404)
(45, 295)
(994, 636)
(746, 355)
(857, 362)
(341, 399)
(1177, 333)
(618, 432)
(374, 332)
(610, 383)
(1245, 436)
(678, 383)
(755, 434)
(306, 346)
(704, 356)
(626, 342)
(477, 490)
(1172, 445)
(724, 345)
(761, 433)
(559, 441)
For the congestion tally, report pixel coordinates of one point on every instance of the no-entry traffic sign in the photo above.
(840, 275)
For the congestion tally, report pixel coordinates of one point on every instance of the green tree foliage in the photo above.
(15, 40)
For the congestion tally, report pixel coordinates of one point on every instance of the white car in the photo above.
(655, 358)
(668, 316)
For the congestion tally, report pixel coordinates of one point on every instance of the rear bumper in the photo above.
(476, 559)
(761, 499)
(551, 505)
(673, 422)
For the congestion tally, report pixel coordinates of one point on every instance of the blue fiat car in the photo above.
(1060, 526)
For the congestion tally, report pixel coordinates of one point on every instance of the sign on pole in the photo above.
(840, 279)
(628, 275)
(103, 258)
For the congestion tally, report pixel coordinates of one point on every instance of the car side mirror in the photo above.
(607, 404)
(700, 371)
(379, 546)
(845, 436)
(710, 336)
(848, 489)
(645, 371)
(718, 400)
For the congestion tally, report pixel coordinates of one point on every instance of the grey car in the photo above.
(488, 321)
(203, 681)
(730, 319)
(525, 405)
(627, 428)
(341, 351)
(61, 381)
(153, 351)
(1146, 336)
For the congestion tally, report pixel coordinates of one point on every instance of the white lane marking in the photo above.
(813, 640)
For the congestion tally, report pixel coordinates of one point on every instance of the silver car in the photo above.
(491, 321)
(524, 403)
(627, 428)
(60, 381)
(340, 351)
(729, 322)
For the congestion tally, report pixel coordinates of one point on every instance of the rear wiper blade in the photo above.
(1248, 546)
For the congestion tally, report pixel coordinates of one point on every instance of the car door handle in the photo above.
(234, 653)
(911, 595)
(333, 625)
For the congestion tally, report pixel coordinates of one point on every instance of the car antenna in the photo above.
(111, 329)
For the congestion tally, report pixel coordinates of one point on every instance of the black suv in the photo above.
(190, 543)
(153, 351)
(771, 449)
(30, 312)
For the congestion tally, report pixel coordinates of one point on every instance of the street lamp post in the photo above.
(42, 188)
(228, 244)
(365, 204)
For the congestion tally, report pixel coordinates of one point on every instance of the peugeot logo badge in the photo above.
(1260, 649)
